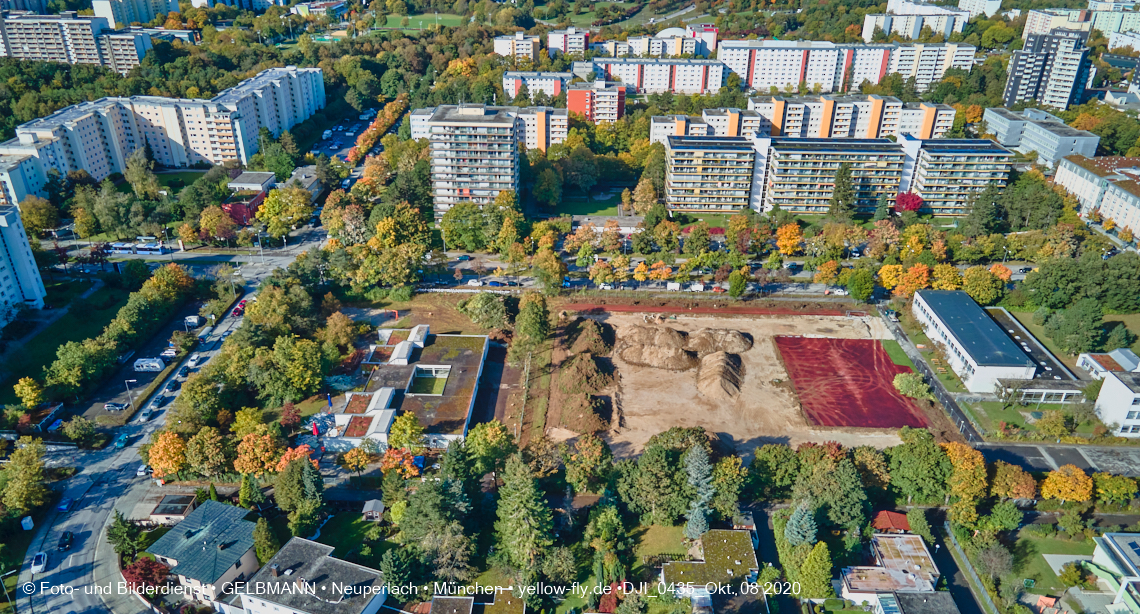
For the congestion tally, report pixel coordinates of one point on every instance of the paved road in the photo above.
(1047, 457)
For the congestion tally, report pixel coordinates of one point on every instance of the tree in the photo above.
(982, 285)
(995, 561)
(246, 421)
(140, 175)
(1012, 482)
(815, 574)
(299, 482)
(842, 204)
(257, 454)
(644, 195)
(698, 471)
(698, 240)
(548, 188)
(1078, 328)
(265, 543)
(914, 279)
(524, 523)
(736, 284)
(25, 488)
(1054, 424)
(982, 217)
(1114, 488)
(285, 208)
(729, 477)
(773, 471)
(1067, 483)
(789, 239)
(30, 392)
(967, 481)
(801, 527)
(406, 432)
(589, 464)
(167, 454)
(124, 536)
(80, 430)
(356, 460)
(1119, 337)
(946, 277)
(912, 385)
(303, 521)
(882, 208)
(1004, 516)
(919, 467)
(38, 215)
(908, 202)
(290, 416)
(489, 444)
(205, 452)
(250, 495)
(145, 575)
(653, 486)
(919, 525)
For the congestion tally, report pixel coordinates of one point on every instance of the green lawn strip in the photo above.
(1028, 562)
(949, 379)
(345, 532)
(186, 177)
(40, 351)
(1026, 319)
(992, 412)
(415, 22)
(602, 204)
(898, 356)
(428, 385)
(1131, 320)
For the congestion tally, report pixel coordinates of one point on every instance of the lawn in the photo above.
(949, 379)
(604, 204)
(586, 19)
(655, 539)
(1028, 562)
(898, 356)
(186, 177)
(714, 220)
(76, 325)
(989, 413)
(422, 21)
(428, 385)
(346, 531)
(62, 292)
(1132, 321)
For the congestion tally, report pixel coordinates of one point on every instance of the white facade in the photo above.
(570, 40)
(520, 45)
(1118, 404)
(99, 136)
(535, 127)
(70, 39)
(1046, 20)
(20, 282)
(1108, 184)
(652, 76)
(980, 7)
(713, 122)
(975, 347)
(122, 13)
(550, 83)
(854, 116)
(907, 18)
(1116, 40)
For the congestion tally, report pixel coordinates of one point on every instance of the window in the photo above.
(1131, 415)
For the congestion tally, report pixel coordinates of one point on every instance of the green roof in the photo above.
(208, 542)
(729, 556)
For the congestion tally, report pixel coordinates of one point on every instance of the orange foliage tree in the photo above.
(660, 271)
(1001, 271)
(916, 278)
(827, 273)
(292, 454)
(257, 454)
(967, 482)
(789, 239)
(1012, 482)
(168, 454)
(1067, 483)
(400, 460)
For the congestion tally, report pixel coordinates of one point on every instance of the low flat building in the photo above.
(333, 10)
(727, 558)
(1116, 564)
(977, 350)
(172, 509)
(304, 578)
(938, 602)
(1099, 364)
(1035, 131)
(209, 550)
(253, 181)
(902, 565)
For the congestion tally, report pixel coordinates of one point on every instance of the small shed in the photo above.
(260, 182)
(373, 510)
(890, 522)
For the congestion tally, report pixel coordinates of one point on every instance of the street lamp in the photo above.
(129, 396)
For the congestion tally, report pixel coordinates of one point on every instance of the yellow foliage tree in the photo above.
(827, 273)
(967, 482)
(1067, 483)
(167, 455)
(890, 275)
(789, 239)
(946, 277)
(257, 454)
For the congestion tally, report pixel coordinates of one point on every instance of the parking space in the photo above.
(1030, 458)
(1118, 461)
(1069, 456)
(1048, 367)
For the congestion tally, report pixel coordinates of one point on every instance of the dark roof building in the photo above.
(938, 602)
(210, 549)
(304, 578)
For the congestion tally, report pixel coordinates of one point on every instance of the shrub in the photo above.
(911, 385)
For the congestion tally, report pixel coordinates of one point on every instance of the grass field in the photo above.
(587, 18)
(1028, 562)
(428, 385)
(416, 22)
(948, 379)
(898, 356)
(656, 539)
(1026, 319)
(989, 413)
(186, 177)
(61, 293)
(39, 351)
(346, 531)
(603, 204)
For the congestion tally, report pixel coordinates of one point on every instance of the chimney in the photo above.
(274, 570)
(221, 546)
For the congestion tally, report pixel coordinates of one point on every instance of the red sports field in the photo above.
(847, 382)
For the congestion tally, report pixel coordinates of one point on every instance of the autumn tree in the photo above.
(284, 208)
(145, 575)
(644, 195)
(406, 433)
(789, 239)
(660, 271)
(914, 279)
(827, 273)
(168, 454)
(489, 444)
(1012, 482)
(890, 275)
(205, 452)
(946, 277)
(1067, 483)
(1117, 489)
(967, 481)
(815, 574)
(356, 460)
(256, 454)
(292, 454)
(24, 472)
(29, 391)
(982, 285)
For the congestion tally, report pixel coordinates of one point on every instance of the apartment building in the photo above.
(1107, 21)
(1034, 130)
(550, 83)
(99, 136)
(333, 10)
(600, 101)
(907, 18)
(669, 43)
(1113, 5)
(122, 13)
(980, 7)
(724, 122)
(785, 65)
(519, 45)
(1107, 184)
(570, 40)
(535, 127)
(800, 173)
(1117, 40)
(70, 39)
(855, 116)
(708, 174)
(653, 76)
(38, 7)
(474, 154)
(1052, 69)
(949, 173)
(20, 282)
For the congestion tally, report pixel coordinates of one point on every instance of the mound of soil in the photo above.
(580, 412)
(720, 376)
(659, 357)
(591, 336)
(581, 374)
(658, 336)
(709, 340)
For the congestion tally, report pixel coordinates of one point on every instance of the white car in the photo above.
(474, 282)
(39, 562)
(195, 359)
(142, 471)
(605, 287)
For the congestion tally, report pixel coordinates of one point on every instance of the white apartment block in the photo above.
(656, 47)
(708, 174)
(474, 154)
(1108, 184)
(653, 76)
(612, 48)
(39, 7)
(122, 13)
(785, 65)
(697, 40)
(1117, 40)
(70, 39)
(100, 136)
(949, 173)
(726, 122)
(535, 127)
(1112, 5)
(20, 282)
(910, 26)
(867, 117)
(1107, 21)
(1118, 403)
(1034, 130)
(251, 5)
(570, 40)
(980, 7)
(550, 83)
(520, 45)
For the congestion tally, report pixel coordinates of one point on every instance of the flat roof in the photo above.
(1132, 380)
(1007, 114)
(173, 505)
(474, 114)
(867, 579)
(974, 329)
(710, 143)
(937, 602)
(451, 605)
(729, 555)
(699, 61)
(208, 542)
(1062, 129)
(334, 586)
(1127, 547)
(1103, 166)
(905, 552)
(964, 146)
(538, 73)
(839, 145)
(252, 177)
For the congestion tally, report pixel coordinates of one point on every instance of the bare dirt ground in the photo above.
(766, 411)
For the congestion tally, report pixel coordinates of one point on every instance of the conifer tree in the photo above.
(699, 472)
(801, 527)
(842, 205)
(815, 574)
(524, 524)
(265, 543)
(883, 208)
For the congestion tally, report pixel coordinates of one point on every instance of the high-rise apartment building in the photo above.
(535, 127)
(726, 122)
(708, 174)
(550, 83)
(654, 76)
(20, 282)
(122, 13)
(980, 7)
(855, 116)
(519, 45)
(1051, 69)
(1043, 21)
(907, 18)
(70, 39)
(39, 7)
(785, 65)
(800, 173)
(100, 136)
(474, 154)
(570, 40)
(949, 173)
(600, 101)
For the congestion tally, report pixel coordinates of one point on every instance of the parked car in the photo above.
(173, 385)
(718, 290)
(474, 282)
(142, 471)
(39, 562)
(195, 360)
(145, 415)
(1025, 269)
(114, 406)
(168, 353)
(513, 284)
(565, 282)
(64, 505)
(463, 258)
(65, 541)
(605, 287)
(121, 440)
(237, 312)
(496, 284)
(184, 372)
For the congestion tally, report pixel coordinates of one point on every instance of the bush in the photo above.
(911, 385)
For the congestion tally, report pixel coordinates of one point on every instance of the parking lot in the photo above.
(1048, 367)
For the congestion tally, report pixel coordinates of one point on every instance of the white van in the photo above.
(673, 286)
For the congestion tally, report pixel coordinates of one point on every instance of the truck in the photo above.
(673, 286)
(326, 135)
(204, 334)
(193, 321)
(149, 364)
(697, 288)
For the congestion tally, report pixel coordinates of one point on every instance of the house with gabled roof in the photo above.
(209, 550)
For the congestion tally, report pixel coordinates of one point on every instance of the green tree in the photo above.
(532, 325)
(1078, 328)
(300, 482)
(589, 464)
(983, 216)
(206, 452)
(773, 471)
(919, 466)
(736, 284)
(842, 204)
(406, 433)
(463, 227)
(284, 209)
(25, 488)
(1119, 337)
(38, 214)
(250, 495)
(1004, 516)
(815, 574)
(139, 173)
(265, 543)
(653, 486)
(489, 444)
(729, 476)
(919, 525)
(548, 189)
(801, 527)
(124, 536)
(80, 430)
(698, 240)
(524, 523)
(882, 208)
(861, 284)
(698, 471)
(303, 521)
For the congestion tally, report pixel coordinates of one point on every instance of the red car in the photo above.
(241, 303)
(237, 312)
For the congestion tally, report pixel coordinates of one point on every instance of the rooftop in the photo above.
(1103, 166)
(729, 556)
(252, 177)
(958, 146)
(452, 605)
(445, 413)
(887, 520)
(1132, 380)
(173, 505)
(710, 143)
(538, 74)
(334, 586)
(842, 99)
(473, 114)
(208, 542)
(658, 61)
(937, 602)
(882, 580)
(1063, 130)
(885, 146)
(904, 553)
(974, 329)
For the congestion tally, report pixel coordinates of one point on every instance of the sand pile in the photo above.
(660, 336)
(709, 340)
(720, 376)
(592, 337)
(671, 358)
(581, 374)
